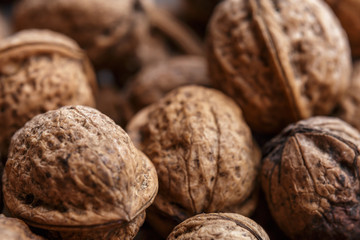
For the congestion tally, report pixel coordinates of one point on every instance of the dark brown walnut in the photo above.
(281, 61)
(40, 70)
(15, 229)
(225, 226)
(204, 154)
(348, 13)
(110, 31)
(348, 109)
(310, 177)
(156, 80)
(75, 174)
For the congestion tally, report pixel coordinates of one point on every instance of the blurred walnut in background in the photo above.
(15, 229)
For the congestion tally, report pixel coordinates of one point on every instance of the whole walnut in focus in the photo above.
(75, 174)
(310, 177)
(348, 13)
(156, 80)
(349, 107)
(15, 229)
(40, 70)
(116, 34)
(281, 61)
(224, 226)
(203, 152)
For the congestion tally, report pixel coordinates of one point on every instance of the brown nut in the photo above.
(310, 177)
(15, 229)
(348, 109)
(203, 151)
(281, 61)
(156, 80)
(39, 71)
(110, 31)
(225, 226)
(348, 13)
(75, 174)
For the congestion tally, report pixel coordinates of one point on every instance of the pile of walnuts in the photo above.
(154, 119)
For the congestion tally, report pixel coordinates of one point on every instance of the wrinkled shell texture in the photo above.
(202, 149)
(348, 109)
(105, 29)
(281, 61)
(156, 80)
(310, 177)
(15, 229)
(226, 226)
(75, 168)
(348, 13)
(40, 71)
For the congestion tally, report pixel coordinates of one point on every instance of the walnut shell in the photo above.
(348, 13)
(310, 176)
(74, 172)
(203, 151)
(15, 229)
(156, 80)
(40, 70)
(226, 226)
(348, 109)
(281, 61)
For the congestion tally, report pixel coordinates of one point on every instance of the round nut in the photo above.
(310, 177)
(348, 109)
(156, 80)
(348, 13)
(226, 226)
(281, 61)
(15, 229)
(39, 71)
(203, 152)
(75, 173)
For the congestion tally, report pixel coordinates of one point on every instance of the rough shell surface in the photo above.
(156, 80)
(281, 61)
(310, 176)
(226, 226)
(348, 109)
(15, 229)
(203, 151)
(75, 168)
(348, 13)
(39, 71)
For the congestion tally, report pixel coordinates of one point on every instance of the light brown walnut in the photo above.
(40, 70)
(281, 61)
(203, 151)
(15, 229)
(310, 177)
(75, 174)
(218, 226)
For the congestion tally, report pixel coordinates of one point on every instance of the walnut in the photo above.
(75, 174)
(156, 80)
(348, 109)
(310, 177)
(40, 71)
(15, 229)
(281, 61)
(348, 13)
(203, 151)
(110, 31)
(225, 226)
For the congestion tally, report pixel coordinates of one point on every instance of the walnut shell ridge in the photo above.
(226, 226)
(310, 177)
(281, 61)
(203, 151)
(75, 169)
(15, 229)
(40, 70)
